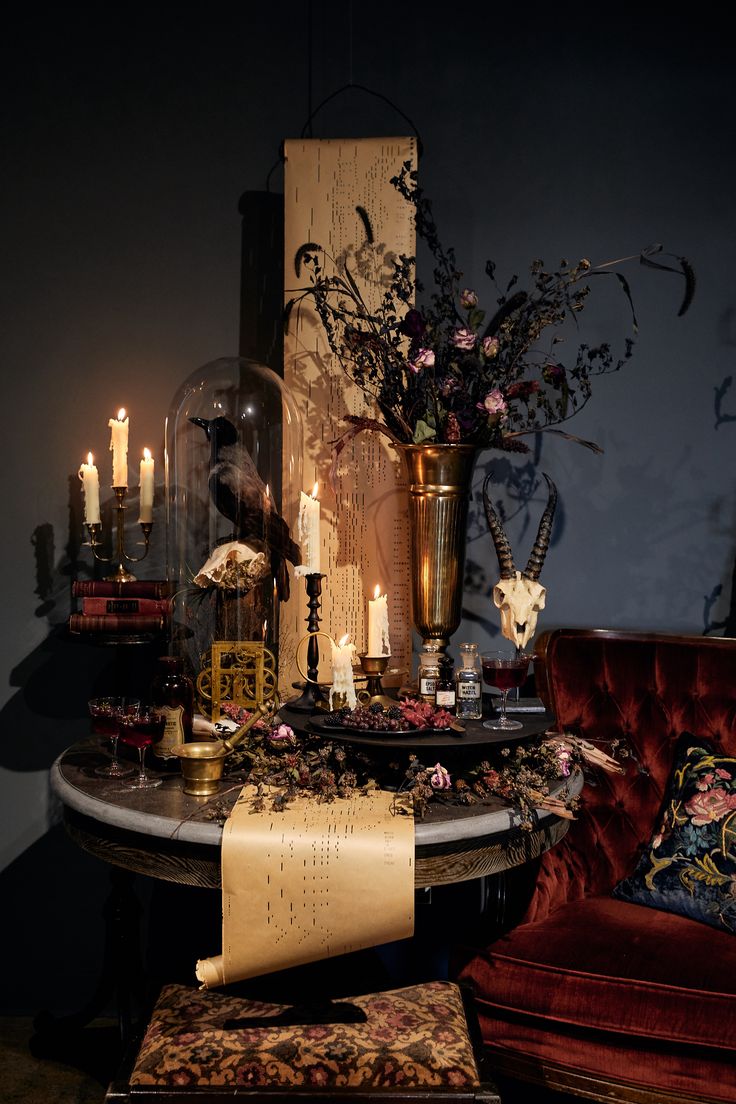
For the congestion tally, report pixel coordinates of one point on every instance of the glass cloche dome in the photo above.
(233, 477)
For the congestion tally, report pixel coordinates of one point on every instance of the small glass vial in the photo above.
(468, 684)
(444, 697)
(172, 694)
(429, 672)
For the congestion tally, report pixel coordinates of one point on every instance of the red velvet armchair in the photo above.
(589, 994)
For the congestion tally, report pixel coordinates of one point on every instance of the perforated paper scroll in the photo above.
(311, 882)
(365, 529)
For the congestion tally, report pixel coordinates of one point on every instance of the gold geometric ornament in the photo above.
(237, 672)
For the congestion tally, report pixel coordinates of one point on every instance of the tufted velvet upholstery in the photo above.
(588, 989)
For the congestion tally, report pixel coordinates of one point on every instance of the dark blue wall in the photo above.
(128, 137)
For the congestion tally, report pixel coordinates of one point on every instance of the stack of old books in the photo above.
(135, 609)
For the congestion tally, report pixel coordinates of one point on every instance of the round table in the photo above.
(168, 834)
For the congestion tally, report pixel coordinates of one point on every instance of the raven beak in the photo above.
(203, 423)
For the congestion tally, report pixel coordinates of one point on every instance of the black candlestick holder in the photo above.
(313, 695)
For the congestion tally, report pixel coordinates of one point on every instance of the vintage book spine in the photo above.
(117, 623)
(141, 588)
(97, 606)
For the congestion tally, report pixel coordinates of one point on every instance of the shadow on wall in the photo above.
(519, 496)
(53, 893)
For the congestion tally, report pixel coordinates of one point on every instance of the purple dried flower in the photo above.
(463, 338)
(564, 759)
(413, 324)
(282, 732)
(423, 358)
(440, 779)
(493, 403)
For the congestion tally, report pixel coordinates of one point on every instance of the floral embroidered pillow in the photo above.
(689, 865)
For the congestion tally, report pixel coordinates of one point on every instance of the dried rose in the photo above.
(413, 324)
(440, 779)
(463, 338)
(423, 358)
(489, 346)
(282, 732)
(493, 403)
(564, 759)
(468, 299)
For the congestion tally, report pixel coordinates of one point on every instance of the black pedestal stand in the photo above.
(312, 696)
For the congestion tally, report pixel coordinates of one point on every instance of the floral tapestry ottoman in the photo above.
(412, 1038)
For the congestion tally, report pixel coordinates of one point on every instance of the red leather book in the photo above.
(117, 624)
(97, 606)
(141, 588)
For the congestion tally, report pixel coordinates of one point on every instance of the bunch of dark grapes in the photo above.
(338, 719)
(372, 718)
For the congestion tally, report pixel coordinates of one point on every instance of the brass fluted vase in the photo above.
(440, 479)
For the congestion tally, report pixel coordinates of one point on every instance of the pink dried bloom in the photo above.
(282, 732)
(468, 299)
(493, 403)
(440, 779)
(489, 346)
(423, 358)
(463, 338)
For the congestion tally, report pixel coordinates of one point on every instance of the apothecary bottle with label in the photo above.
(468, 684)
(444, 697)
(429, 670)
(172, 694)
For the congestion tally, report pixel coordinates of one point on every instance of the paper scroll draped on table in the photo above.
(311, 882)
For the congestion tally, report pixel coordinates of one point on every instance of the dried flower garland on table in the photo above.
(282, 766)
(448, 372)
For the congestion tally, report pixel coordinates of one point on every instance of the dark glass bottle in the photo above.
(172, 694)
(444, 695)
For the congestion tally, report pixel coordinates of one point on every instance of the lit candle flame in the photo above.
(121, 414)
(268, 491)
(89, 458)
(315, 488)
(343, 640)
(146, 454)
(377, 591)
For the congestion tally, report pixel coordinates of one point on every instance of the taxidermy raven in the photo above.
(239, 493)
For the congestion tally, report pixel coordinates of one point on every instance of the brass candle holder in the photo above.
(373, 668)
(120, 575)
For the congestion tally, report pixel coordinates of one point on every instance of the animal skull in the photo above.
(519, 600)
(518, 594)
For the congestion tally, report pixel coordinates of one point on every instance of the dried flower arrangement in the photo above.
(448, 372)
(283, 765)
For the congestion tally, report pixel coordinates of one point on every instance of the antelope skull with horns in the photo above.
(519, 595)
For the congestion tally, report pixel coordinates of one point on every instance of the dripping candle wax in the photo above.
(378, 641)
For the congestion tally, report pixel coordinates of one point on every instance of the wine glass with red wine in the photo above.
(105, 713)
(139, 731)
(506, 668)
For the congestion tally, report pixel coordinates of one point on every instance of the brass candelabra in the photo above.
(120, 575)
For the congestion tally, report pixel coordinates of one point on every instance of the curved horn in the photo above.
(541, 544)
(500, 540)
